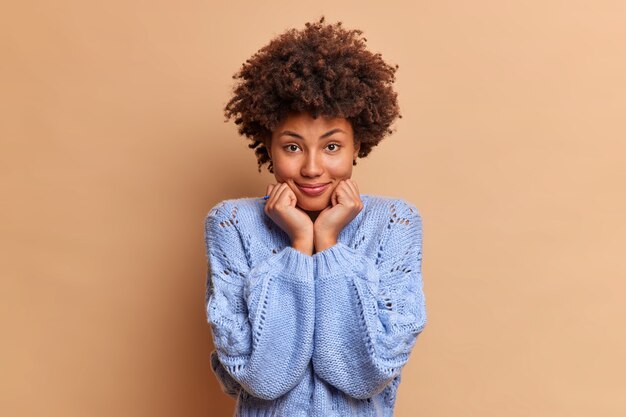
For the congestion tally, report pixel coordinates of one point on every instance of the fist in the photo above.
(345, 206)
(281, 208)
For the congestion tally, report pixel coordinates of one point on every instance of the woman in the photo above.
(314, 292)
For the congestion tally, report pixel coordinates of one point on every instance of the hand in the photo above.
(345, 206)
(281, 208)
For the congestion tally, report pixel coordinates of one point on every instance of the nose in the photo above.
(312, 165)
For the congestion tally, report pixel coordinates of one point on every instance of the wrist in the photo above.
(324, 242)
(303, 245)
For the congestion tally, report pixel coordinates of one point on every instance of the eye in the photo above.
(336, 145)
(288, 147)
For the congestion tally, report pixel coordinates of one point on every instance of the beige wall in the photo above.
(113, 148)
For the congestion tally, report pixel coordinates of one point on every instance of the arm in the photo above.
(262, 318)
(369, 311)
(229, 385)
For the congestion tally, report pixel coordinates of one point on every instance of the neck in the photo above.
(313, 214)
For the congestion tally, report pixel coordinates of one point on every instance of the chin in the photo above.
(314, 205)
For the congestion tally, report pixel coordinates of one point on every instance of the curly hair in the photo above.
(323, 70)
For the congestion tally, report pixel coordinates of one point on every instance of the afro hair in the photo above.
(324, 70)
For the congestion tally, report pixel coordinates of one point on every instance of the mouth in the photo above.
(313, 189)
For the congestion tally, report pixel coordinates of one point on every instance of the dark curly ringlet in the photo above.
(323, 70)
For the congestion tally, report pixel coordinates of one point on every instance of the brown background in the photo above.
(114, 147)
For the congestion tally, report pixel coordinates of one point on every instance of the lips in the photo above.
(313, 189)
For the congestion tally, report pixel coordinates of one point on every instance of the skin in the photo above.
(313, 223)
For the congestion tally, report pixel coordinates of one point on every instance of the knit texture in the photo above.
(323, 335)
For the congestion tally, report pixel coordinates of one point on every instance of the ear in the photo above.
(356, 149)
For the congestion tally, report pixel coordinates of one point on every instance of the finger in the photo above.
(339, 193)
(353, 187)
(293, 200)
(284, 195)
(333, 195)
(335, 198)
(349, 194)
(268, 189)
(271, 201)
(357, 197)
(292, 186)
(343, 190)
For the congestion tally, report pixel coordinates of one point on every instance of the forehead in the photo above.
(306, 122)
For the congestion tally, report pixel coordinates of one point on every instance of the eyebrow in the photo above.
(325, 135)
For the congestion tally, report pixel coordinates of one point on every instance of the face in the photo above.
(307, 151)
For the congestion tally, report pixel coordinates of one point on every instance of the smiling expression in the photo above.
(312, 152)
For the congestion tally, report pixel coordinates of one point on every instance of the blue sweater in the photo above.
(323, 335)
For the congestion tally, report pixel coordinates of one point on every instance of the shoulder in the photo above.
(237, 212)
(230, 208)
(389, 205)
(398, 223)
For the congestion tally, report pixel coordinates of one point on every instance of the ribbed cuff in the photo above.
(338, 259)
(292, 264)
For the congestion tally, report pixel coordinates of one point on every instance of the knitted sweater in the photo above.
(323, 335)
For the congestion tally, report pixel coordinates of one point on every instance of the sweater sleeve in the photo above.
(262, 318)
(369, 311)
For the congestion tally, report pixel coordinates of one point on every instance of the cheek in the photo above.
(284, 169)
(340, 168)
